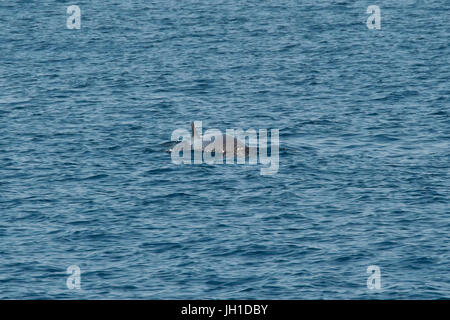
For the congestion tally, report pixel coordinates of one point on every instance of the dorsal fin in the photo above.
(194, 132)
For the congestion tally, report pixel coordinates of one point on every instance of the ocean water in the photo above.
(364, 124)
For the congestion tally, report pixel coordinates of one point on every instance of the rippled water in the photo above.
(364, 162)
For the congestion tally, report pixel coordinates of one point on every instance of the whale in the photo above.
(208, 142)
(212, 147)
(222, 143)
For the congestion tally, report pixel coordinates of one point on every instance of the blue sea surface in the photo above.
(364, 177)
